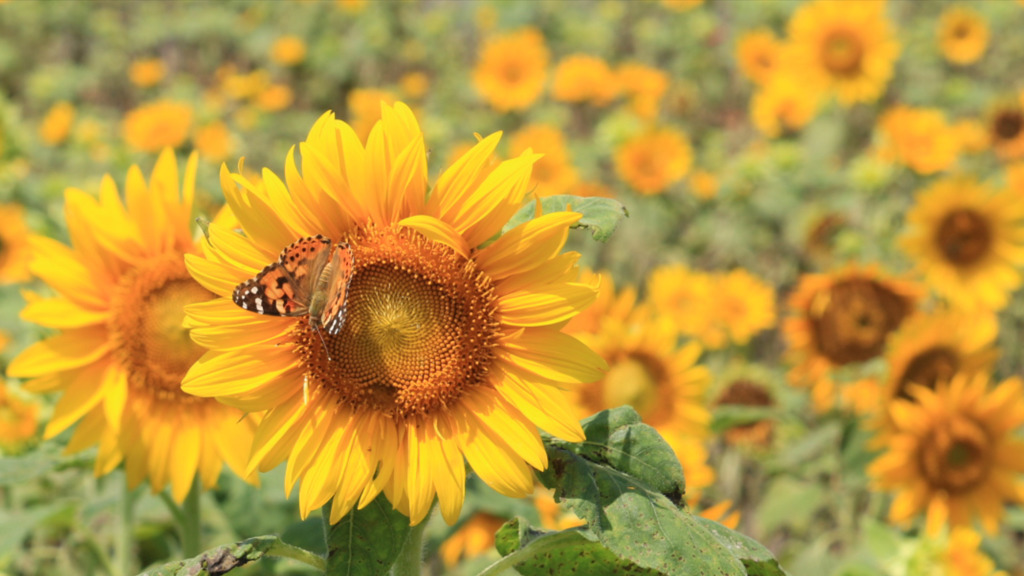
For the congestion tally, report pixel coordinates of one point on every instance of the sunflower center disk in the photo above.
(957, 458)
(851, 320)
(420, 329)
(842, 53)
(964, 236)
(928, 369)
(151, 343)
(1008, 124)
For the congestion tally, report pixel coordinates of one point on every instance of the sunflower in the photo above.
(288, 50)
(18, 420)
(784, 104)
(841, 319)
(650, 371)
(213, 141)
(652, 161)
(963, 35)
(157, 125)
(147, 72)
(451, 350)
(584, 78)
(644, 86)
(721, 513)
(56, 125)
(122, 351)
(744, 392)
(1006, 127)
(512, 68)
(14, 247)
(953, 454)
(703, 184)
(919, 138)
(553, 516)
(963, 555)
(364, 109)
(554, 173)
(472, 539)
(758, 53)
(846, 46)
(967, 241)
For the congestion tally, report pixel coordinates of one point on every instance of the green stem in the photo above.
(190, 526)
(410, 559)
(123, 550)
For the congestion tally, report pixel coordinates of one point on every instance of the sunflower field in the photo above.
(499, 287)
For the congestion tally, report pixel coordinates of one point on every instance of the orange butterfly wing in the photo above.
(284, 287)
(342, 267)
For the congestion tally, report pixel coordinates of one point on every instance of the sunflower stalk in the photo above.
(123, 549)
(190, 524)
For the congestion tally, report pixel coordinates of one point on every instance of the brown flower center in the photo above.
(928, 368)
(957, 457)
(961, 30)
(512, 72)
(146, 324)
(850, 320)
(748, 393)
(421, 327)
(1008, 124)
(964, 236)
(842, 53)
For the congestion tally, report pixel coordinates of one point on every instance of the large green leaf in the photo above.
(600, 215)
(539, 553)
(625, 482)
(366, 542)
(224, 559)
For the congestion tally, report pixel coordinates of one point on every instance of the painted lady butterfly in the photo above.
(309, 278)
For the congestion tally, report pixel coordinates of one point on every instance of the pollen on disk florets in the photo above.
(146, 324)
(420, 328)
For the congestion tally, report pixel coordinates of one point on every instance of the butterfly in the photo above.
(311, 277)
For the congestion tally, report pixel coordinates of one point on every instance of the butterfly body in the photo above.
(310, 278)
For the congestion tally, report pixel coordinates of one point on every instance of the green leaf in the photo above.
(600, 215)
(535, 552)
(366, 542)
(728, 416)
(631, 519)
(755, 558)
(15, 525)
(16, 470)
(226, 558)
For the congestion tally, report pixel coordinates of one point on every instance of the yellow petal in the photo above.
(545, 305)
(184, 459)
(552, 355)
(66, 351)
(61, 313)
(438, 231)
(55, 264)
(83, 393)
(528, 245)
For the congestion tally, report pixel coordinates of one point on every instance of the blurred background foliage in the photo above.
(247, 79)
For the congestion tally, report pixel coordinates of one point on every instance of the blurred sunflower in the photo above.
(953, 455)
(511, 70)
(553, 516)
(19, 420)
(758, 53)
(15, 253)
(963, 35)
(472, 539)
(721, 513)
(962, 556)
(553, 173)
(703, 184)
(653, 160)
(584, 78)
(644, 86)
(288, 51)
(681, 294)
(839, 319)
(1006, 127)
(783, 104)
(649, 371)
(364, 109)
(122, 350)
(972, 136)
(744, 392)
(157, 125)
(967, 241)
(56, 125)
(846, 46)
(681, 5)
(415, 84)
(919, 138)
(275, 97)
(461, 356)
(213, 141)
(147, 72)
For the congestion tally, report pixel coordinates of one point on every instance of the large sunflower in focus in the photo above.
(122, 350)
(954, 454)
(846, 46)
(450, 349)
(968, 241)
(650, 371)
(841, 319)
